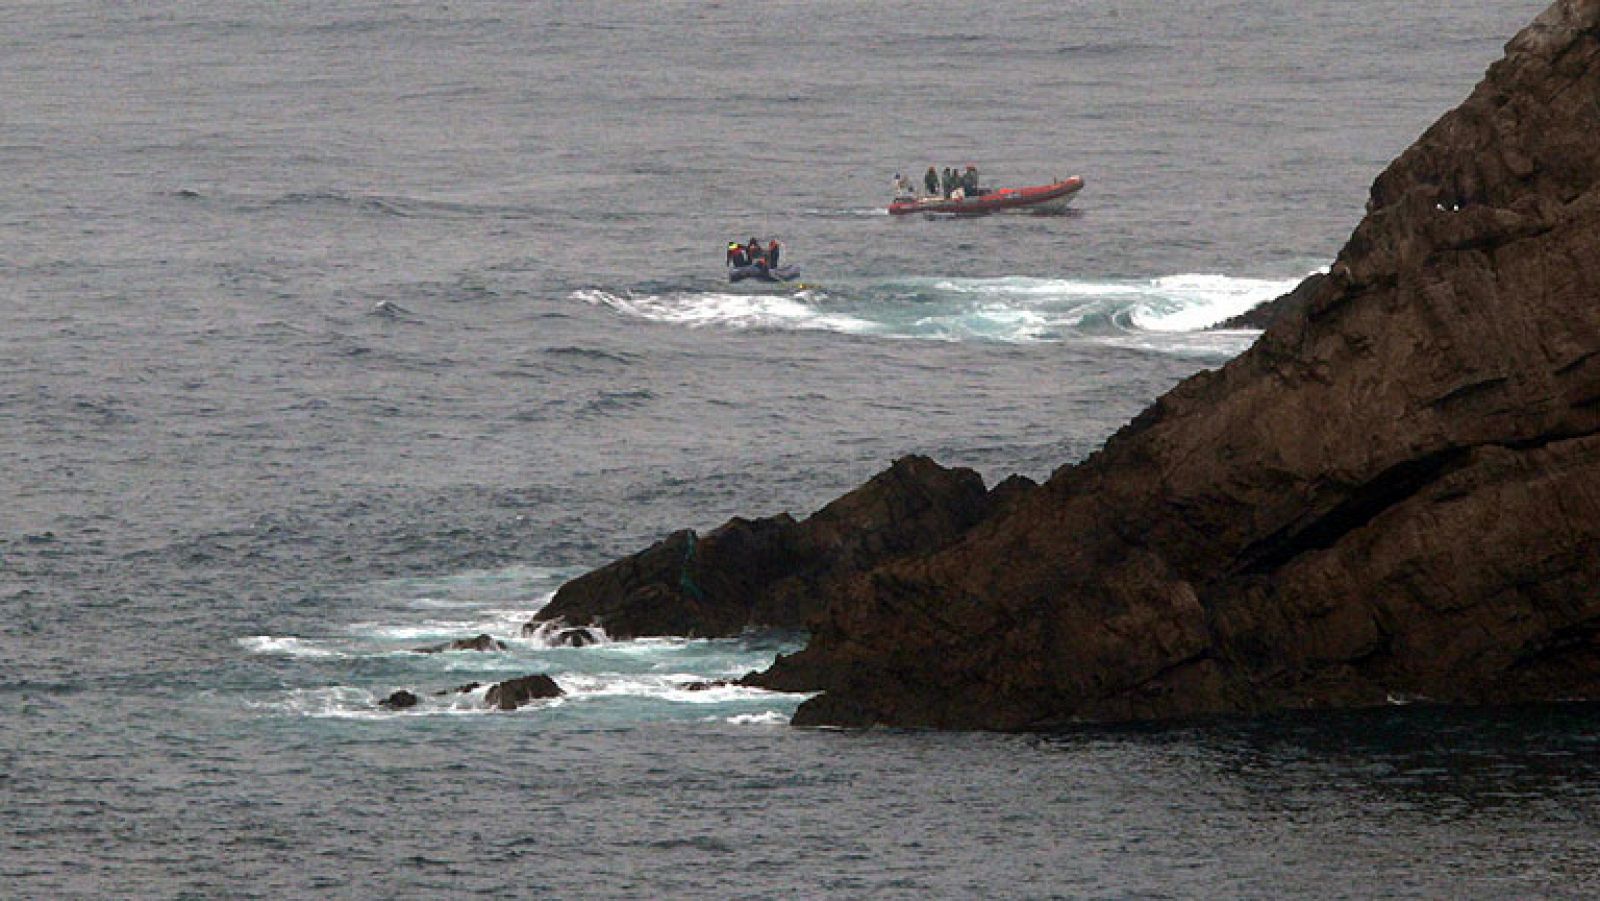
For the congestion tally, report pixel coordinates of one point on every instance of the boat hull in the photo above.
(763, 274)
(1037, 198)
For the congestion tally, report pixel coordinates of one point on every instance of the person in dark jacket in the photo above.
(947, 181)
(772, 253)
(930, 180)
(753, 251)
(969, 181)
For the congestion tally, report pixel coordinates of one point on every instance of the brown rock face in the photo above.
(775, 572)
(1396, 491)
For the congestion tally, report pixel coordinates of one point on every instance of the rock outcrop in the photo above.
(484, 642)
(777, 572)
(398, 700)
(514, 693)
(1395, 492)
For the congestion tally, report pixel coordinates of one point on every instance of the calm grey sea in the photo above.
(332, 330)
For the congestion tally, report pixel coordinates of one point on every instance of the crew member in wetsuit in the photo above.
(736, 257)
(772, 253)
(753, 250)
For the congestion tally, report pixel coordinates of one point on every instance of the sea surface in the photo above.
(333, 330)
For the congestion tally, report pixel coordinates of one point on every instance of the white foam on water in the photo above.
(729, 310)
(1048, 288)
(545, 635)
(672, 687)
(354, 703)
(286, 646)
(427, 630)
(505, 625)
(764, 718)
(1191, 302)
(342, 701)
(1012, 309)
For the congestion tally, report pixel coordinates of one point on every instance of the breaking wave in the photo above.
(1169, 314)
(399, 640)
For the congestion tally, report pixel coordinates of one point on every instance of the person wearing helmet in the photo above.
(736, 255)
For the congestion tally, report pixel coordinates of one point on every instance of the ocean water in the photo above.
(335, 330)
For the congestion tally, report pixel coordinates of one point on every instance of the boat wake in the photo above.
(1171, 314)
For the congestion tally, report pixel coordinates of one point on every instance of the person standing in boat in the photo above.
(772, 253)
(753, 251)
(736, 256)
(947, 182)
(969, 181)
(930, 180)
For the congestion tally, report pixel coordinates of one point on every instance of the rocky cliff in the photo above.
(1394, 493)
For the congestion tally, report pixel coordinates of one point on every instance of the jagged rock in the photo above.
(514, 693)
(479, 643)
(460, 689)
(1396, 491)
(398, 700)
(775, 571)
(707, 684)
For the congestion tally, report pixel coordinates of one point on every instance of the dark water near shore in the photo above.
(334, 330)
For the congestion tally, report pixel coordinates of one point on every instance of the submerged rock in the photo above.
(398, 700)
(1396, 491)
(514, 693)
(479, 643)
(775, 571)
